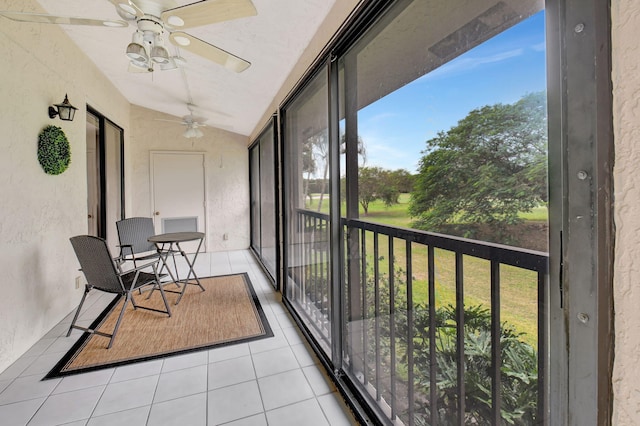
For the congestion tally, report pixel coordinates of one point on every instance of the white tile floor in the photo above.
(273, 381)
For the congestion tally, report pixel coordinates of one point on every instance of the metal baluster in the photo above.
(460, 335)
(348, 294)
(542, 349)
(365, 325)
(410, 334)
(321, 268)
(314, 291)
(298, 260)
(496, 356)
(306, 257)
(376, 279)
(433, 389)
(392, 330)
(325, 288)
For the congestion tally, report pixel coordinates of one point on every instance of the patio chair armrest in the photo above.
(119, 261)
(122, 250)
(138, 268)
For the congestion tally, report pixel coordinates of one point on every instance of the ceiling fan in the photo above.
(155, 20)
(191, 122)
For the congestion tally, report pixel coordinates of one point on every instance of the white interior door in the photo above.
(178, 189)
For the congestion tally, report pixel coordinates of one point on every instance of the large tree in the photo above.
(403, 180)
(486, 169)
(376, 183)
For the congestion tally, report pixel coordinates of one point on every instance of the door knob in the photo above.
(157, 213)
(89, 216)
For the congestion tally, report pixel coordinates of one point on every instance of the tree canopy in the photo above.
(486, 169)
(376, 183)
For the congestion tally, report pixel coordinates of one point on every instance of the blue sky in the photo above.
(501, 70)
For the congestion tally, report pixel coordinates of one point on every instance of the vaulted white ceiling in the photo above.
(272, 41)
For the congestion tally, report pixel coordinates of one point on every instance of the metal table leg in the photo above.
(191, 271)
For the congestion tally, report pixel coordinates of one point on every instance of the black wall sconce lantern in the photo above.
(65, 110)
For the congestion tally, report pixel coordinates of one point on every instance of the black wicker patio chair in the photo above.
(102, 274)
(134, 234)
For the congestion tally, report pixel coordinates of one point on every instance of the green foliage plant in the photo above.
(519, 368)
(486, 170)
(519, 372)
(54, 151)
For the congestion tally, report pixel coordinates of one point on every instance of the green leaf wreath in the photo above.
(54, 151)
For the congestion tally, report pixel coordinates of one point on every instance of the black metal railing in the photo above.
(399, 335)
(310, 272)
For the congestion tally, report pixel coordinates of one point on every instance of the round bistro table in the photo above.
(168, 245)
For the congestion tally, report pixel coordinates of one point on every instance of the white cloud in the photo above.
(539, 47)
(381, 117)
(469, 63)
(388, 154)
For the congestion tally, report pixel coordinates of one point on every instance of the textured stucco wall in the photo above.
(39, 212)
(626, 117)
(226, 168)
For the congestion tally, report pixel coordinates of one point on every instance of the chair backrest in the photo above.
(96, 263)
(135, 232)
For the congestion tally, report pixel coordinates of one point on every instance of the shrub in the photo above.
(519, 367)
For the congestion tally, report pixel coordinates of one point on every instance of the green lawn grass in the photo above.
(538, 214)
(518, 287)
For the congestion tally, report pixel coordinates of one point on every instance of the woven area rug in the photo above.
(227, 312)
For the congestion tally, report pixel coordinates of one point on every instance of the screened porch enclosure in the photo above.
(405, 352)
(426, 326)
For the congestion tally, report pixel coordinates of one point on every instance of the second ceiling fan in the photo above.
(157, 20)
(191, 122)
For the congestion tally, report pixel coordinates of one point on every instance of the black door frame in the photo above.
(102, 201)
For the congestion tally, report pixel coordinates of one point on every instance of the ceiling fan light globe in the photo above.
(137, 53)
(160, 55)
(135, 66)
(169, 65)
(190, 133)
(198, 132)
(139, 63)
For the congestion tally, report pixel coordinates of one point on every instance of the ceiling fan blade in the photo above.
(208, 51)
(63, 20)
(194, 119)
(127, 8)
(170, 121)
(208, 12)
